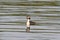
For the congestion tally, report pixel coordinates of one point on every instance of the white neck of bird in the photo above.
(28, 20)
(28, 23)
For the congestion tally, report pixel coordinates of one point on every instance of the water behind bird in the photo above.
(13, 22)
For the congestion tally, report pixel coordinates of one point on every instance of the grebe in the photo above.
(28, 23)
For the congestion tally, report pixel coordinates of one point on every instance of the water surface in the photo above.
(13, 19)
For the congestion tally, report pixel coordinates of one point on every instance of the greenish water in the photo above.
(13, 14)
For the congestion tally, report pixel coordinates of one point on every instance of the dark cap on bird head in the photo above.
(28, 17)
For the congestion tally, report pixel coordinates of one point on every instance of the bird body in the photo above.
(28, 23)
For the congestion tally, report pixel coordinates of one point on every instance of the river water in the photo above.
(46, 14)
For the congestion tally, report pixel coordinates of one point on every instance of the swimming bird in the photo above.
(28, 23)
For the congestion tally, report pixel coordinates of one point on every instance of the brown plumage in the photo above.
(32, 23)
